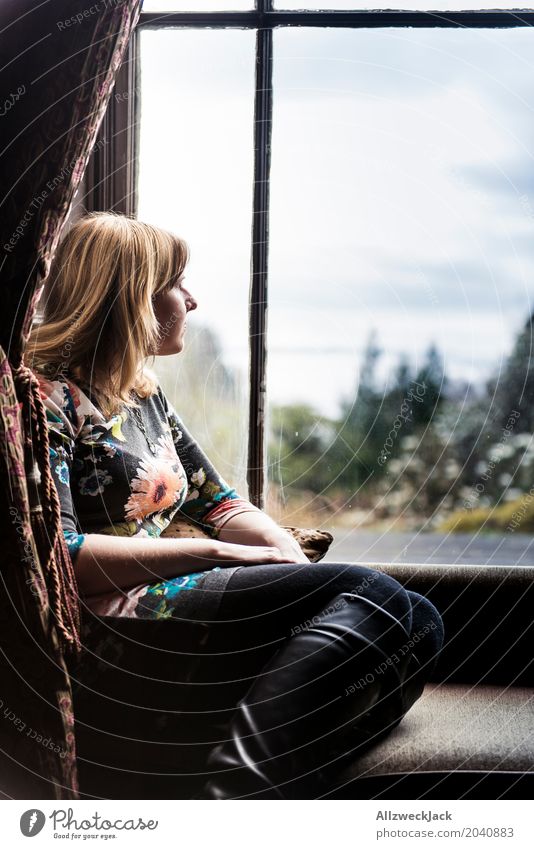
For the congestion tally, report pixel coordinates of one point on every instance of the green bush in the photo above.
(517, 515)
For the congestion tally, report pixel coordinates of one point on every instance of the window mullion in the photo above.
(258, 288)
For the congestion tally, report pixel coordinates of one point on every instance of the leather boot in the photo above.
(379, 721)
(370, 727)
(302, 709)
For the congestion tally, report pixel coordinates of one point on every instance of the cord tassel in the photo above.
(55, 559)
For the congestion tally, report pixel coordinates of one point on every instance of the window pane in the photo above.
(196, 179)
(194, 6)
(401, 288)
(413, 5)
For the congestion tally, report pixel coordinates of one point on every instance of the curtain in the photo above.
(59, 63)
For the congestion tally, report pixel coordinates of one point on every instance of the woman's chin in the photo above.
(171, 348)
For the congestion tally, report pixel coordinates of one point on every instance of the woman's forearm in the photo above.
(105, 563)
(257, 528)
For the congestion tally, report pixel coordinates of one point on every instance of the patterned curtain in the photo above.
(59, 62)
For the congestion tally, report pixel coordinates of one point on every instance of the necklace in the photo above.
(141, 425)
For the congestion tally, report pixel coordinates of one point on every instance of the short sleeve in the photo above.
(63, 426)
(210, 500)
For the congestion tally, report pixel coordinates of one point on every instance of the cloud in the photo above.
(402, 192)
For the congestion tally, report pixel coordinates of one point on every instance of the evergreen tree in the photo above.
(359, 412)
(429, 387)
(355, 452)
(514, 388)
(398, 401)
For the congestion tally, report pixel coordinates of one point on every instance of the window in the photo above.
(195, 5)
(380, 162)
(195, 178)
(415, 5)
(401, 276)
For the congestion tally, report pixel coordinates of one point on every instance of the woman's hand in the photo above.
(291, 550)
(255, 528)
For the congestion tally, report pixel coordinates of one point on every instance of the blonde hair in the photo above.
(98, 324)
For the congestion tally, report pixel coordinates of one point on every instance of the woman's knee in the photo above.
(427, 623)
(377, 586)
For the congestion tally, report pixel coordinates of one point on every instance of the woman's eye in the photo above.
(176, 284)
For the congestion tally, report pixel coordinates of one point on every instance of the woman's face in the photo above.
(171, 308)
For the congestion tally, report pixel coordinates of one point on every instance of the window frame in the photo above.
(112, 172)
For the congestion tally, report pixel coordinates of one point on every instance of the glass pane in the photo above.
(413, 5)
(195, 6)
(196, 179)
(401, 284)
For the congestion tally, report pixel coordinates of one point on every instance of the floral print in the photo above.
(160, 482)
(74, 541)
(94, 483)
(59, 465)
(160, 598)
(109, 482)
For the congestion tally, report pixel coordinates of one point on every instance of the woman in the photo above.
(310, 662)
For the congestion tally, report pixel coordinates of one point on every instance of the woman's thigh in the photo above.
(275, 598)
(263, 605)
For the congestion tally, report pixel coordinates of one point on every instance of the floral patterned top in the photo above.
(110, 482)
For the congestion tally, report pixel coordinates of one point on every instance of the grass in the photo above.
(512, 516)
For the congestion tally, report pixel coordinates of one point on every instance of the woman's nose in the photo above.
(192, 303)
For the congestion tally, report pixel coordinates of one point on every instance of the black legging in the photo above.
(262, 605)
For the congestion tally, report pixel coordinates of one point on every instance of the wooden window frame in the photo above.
(111, 176)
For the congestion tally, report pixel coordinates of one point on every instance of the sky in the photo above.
(342, 5)
(402, 194)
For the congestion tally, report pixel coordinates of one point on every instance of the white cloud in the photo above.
(397, 160)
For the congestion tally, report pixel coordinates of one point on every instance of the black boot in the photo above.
(370, 727)
(304, 708)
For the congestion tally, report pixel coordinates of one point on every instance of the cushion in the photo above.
(452, 728)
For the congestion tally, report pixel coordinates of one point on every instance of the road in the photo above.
(383, 547)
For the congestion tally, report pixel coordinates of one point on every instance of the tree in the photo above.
(355, 451)
(398, 403)
(514, 388)
(299, 439)
(429, 387)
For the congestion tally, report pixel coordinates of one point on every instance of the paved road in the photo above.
(376, 547)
